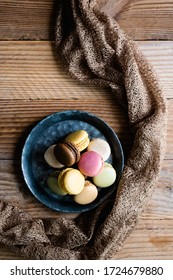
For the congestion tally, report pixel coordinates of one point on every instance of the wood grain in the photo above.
(149, 241)
(27, 19)
(35, 20)
(147, 20)
(30, 70)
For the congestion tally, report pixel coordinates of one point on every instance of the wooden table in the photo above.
(34, 84)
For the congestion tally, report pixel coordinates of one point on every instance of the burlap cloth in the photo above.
(96, 51)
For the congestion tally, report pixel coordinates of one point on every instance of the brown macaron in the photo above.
(67, 153)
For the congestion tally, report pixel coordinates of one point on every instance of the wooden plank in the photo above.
(17, 18)
(152, 239)
(29, 70)
(6, 254)
(35, 20)
(26, 19)
(147, 20)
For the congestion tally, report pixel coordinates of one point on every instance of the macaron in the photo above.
(52, 182)
(67, 153)
(87, 195)
(101, 147)
(90, 163)
(50, 158)
(106, 177)
(80, 138)
(71, 181)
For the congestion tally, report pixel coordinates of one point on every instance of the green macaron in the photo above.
(52, 182)
(106, 176)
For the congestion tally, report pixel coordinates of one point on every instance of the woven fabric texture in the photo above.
(95, 50)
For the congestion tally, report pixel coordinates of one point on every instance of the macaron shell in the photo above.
(50, 158)
(79, 138)
(67, 153)
(61, 178)
(90, 163)
(52, 183)
(87, 195)
(101, 147)
(106, 177)
(72, 181)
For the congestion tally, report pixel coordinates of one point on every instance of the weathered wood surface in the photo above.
(33, 84)
(147, 20)
(31, 70)
(34, 20)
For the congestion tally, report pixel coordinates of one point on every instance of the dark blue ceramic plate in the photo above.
(49, 131)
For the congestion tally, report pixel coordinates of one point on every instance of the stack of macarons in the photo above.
(81, 166)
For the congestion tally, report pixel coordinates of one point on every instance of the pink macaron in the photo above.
(90, 163)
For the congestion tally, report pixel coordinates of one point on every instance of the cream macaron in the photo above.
(101, 147)
(50, 158)
(87, 195)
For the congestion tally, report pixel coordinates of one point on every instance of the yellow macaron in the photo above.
(79, 138)
(71, 181)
